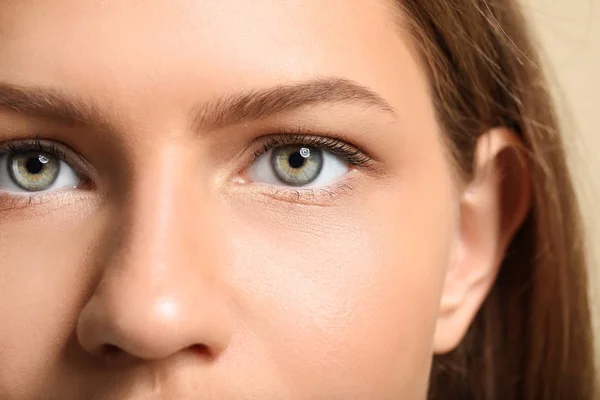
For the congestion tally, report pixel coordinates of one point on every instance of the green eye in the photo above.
(301, 165)
(33, 171)
(296, 165)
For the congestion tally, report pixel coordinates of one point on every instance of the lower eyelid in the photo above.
(324, 196)
(59, 198)
(10, 201)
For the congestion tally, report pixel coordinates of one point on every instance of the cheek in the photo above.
(43, 275)
(347, 295)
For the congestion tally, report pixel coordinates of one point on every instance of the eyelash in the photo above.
(52, 148)
(349, 153)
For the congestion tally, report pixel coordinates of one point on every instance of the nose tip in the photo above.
(151, 330)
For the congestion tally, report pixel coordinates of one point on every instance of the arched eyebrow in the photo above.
(55, 104)
(259, 104)
(51, 103)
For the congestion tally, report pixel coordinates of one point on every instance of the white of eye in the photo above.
(67, 178)
(261, 171)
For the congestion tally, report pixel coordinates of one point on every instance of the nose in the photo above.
(161, 288)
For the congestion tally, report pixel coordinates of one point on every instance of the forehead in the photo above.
(189, 50)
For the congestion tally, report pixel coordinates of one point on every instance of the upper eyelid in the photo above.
(286, 137)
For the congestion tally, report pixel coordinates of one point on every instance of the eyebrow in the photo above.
(259, 104)
(51, 103)
(55, 104)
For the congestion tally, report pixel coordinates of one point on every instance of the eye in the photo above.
(297, 166)
(26, 171)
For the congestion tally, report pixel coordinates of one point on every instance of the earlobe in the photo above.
(492, 208)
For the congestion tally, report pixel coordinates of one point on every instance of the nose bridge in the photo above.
(160, 289)
(170, 216)
(169, 223)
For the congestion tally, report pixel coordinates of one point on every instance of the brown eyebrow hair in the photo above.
(51, 103)
(257, 104)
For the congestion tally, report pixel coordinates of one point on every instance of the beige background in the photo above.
(569, 31)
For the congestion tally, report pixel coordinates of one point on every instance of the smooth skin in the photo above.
(169, 273)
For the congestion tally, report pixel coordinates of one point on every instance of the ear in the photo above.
(492, 208)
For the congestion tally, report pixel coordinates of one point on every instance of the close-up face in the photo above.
(223, 200)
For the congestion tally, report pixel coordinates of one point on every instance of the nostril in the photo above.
(202, 350)
(109, 350)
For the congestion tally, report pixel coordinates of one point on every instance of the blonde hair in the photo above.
(532, 339)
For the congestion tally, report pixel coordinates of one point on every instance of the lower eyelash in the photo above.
(318, 197)
(10, 202)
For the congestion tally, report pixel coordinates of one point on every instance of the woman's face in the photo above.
(218, 200)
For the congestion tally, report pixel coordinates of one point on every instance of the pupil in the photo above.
(34, 166)
(296, 160)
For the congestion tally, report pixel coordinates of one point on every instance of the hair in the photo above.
(532, 338)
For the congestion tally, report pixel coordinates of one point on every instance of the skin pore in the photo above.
(175, 267)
